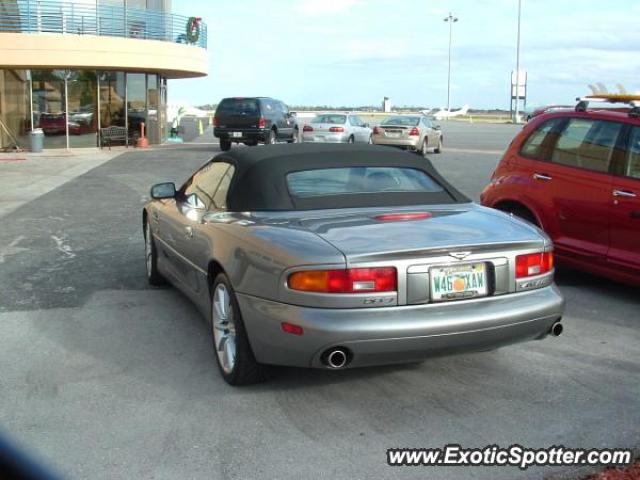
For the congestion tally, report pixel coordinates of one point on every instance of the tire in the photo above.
(438, 149)
(424, 148)
(151, 257)
(234, 356)
(271, 138)
(351, 139)
(225, 144)
(296, 136)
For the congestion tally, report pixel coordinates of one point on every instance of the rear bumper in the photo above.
(412, 142)
(247, 134)
(400, 334)
(325, 138)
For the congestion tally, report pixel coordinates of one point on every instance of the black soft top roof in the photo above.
(259, 182)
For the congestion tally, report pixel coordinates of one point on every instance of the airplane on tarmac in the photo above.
(444, 113)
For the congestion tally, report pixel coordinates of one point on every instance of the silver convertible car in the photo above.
(337, 256)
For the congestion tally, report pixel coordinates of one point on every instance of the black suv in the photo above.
(253, 120)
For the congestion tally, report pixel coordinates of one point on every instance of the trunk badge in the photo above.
(459, 255)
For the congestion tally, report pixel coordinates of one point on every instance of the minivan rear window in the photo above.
(238, 106)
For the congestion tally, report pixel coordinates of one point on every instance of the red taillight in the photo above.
(336, 129)
(534, 264)
(377, 131)
(400, 217)
(262, 122)
(414, 132)
(216, 122)
(291, 328)
(352, 280)
(307, 128)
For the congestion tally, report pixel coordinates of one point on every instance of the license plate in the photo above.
(236, 134)
(319, 138)
(458, 282)
(393, 134)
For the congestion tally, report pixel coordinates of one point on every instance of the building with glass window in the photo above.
(76, 67)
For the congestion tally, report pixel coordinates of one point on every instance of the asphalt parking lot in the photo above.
(103, 376)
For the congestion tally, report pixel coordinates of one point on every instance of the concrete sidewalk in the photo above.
(25, 176)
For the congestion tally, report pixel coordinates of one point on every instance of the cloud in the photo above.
(316, 7)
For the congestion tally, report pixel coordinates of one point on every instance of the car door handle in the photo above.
(624, 194)
(542, 176)
(189, 232)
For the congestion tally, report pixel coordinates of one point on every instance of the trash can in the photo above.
(37, 140)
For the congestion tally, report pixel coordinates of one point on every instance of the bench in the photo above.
(111, 134)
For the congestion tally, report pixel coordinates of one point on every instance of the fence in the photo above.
(99, 18)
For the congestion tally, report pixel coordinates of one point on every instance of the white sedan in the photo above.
(337, 128)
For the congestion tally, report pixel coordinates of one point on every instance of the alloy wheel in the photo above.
(224, 328)
(148, 250)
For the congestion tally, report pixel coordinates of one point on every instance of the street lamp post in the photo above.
(451, 19)
(517, 109)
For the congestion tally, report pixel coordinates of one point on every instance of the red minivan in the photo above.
(576, 174)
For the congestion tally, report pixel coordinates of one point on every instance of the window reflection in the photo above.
(82, 91)
(136, 102)
(49, 106)
(15, 114)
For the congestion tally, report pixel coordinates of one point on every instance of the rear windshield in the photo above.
(402, 121)
(336, 119)
(238, 106)
(358, 180)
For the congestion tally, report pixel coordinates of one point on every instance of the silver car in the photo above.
(336, 128)
(334, 256)
(413, 132)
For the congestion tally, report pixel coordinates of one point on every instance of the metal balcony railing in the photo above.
(99, 17)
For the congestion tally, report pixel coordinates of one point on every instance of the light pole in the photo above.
(451, 19)
(517, 109)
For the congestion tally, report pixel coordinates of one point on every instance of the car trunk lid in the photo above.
(365, 237)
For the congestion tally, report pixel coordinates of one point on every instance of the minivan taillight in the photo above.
(414, 132)
(534, 264)
(350, 280)
(262, 122)
(307, 128)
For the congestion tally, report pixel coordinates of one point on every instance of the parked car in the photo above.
(576, 174)
(56, 124)
(413, 132)
(337, 128)
(336, 256)
(253, 120)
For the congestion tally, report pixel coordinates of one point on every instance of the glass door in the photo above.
(82, 104)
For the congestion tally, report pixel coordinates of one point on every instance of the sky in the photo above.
(355, 52)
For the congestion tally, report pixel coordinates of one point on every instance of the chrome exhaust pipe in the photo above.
(556, 329)
(336, 358)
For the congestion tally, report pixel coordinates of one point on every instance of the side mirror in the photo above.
(163, 190)
(436, 127)
(366, 125)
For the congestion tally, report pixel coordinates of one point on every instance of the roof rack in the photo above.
(632, 100)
